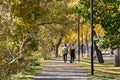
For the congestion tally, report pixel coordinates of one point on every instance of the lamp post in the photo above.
(78, 37)
(91, 25)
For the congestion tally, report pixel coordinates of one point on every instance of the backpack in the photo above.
(65, 50)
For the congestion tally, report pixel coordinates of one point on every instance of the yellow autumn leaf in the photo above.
(99, 30)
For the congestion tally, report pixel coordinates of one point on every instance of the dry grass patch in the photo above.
(105, 71)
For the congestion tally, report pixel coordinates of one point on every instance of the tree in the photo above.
(59, 19)
(107, 14)
(18, 41)
(83, 9)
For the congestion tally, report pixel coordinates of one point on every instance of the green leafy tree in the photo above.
(108, 15)
(83, 8)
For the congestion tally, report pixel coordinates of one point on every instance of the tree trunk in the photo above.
(117, 58)
(82, 46)
(98, 52)
(56, 50)
(87, 47)
(57, 46)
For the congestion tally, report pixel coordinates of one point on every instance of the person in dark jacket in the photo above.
(72, 54)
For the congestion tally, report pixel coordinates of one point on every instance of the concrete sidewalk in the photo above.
(58, 70)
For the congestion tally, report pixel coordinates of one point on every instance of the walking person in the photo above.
(72, 54)
(65, 52)
(111, 51)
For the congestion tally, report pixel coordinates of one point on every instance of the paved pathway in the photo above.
(58, 70)
(108, 57)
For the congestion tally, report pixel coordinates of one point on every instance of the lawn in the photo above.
(105, 71)
(30, 73)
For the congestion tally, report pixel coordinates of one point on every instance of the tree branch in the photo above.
(20, 51)
(54, 22)
(15, 59)
(10, 53)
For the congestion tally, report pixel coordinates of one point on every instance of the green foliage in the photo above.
(28, 30)
(32, 44)
(83, 9)
(109, 18)
(107, 14)
(101, 43)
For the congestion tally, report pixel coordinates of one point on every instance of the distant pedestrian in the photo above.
(83, 49)
(111, 51)
(65, 52)
(72, 54)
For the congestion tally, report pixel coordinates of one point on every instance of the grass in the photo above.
(30, 73)
(105, 71)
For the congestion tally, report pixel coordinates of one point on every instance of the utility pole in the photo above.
(78, 37)
(91, 25)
